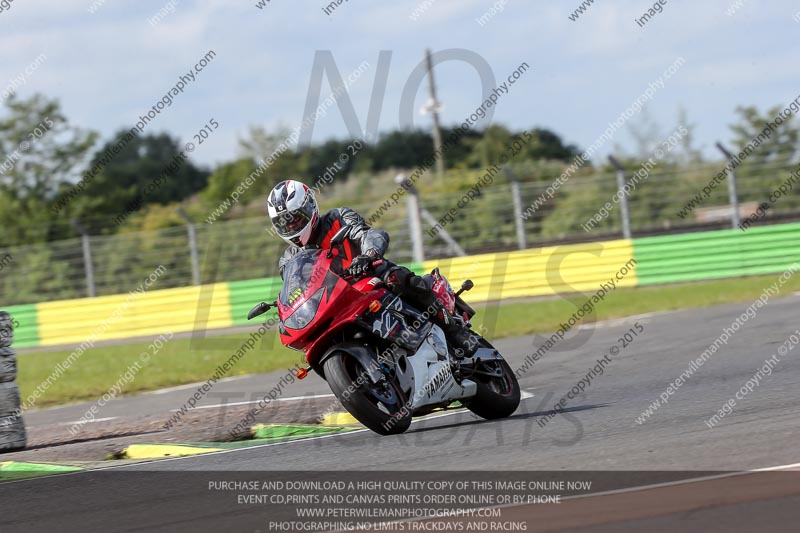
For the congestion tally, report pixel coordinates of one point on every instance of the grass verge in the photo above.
(99, 369)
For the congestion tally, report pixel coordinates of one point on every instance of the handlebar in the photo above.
(375, 264)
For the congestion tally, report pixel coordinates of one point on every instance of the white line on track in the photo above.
(672, 483)
(195, 385)
(624, 320)
(291, 399)
(81, 422)
(636, 488)
(294, 441)
(524, 395)
(605, 493)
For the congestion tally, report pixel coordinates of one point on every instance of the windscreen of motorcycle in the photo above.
(298, 275)
(301, 275)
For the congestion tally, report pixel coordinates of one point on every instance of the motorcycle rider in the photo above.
(295, 216)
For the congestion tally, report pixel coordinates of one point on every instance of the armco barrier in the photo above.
(716, 254)
(538, 271)
(531, 272)
(26, 328)
(135, 314)
(245, 294)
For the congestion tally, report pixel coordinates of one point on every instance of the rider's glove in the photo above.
(362, 264)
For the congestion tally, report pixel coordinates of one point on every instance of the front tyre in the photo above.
(498, 390)
(381, 407)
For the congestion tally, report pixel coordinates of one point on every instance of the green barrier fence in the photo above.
(665, 259)
(245, 294)
(716, 254)
(26, 326)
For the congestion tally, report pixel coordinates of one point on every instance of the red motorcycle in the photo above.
(382, 358)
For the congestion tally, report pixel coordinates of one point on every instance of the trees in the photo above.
(42, 150)
(259, 144)
(317, 160)
(783, 142)
(127, 165)
(226, 178)
(401, 149)
(125, 177)
(771, 157)
(548, 145)
(487, 149)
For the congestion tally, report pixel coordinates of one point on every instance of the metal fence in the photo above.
(226, 251)
(654, 206)
(489, 221)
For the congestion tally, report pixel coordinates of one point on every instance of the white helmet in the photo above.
(293, 211)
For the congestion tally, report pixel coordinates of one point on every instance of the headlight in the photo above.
(304, 314)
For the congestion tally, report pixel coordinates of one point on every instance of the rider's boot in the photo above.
(464, 340)
(404, 282)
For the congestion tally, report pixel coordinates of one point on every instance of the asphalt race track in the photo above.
(597, 432)
(600, 432)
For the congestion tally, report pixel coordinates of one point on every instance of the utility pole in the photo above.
(623, 201)
(414, 222)
(190, 229)
(733, 195)
(433, 107)
(87, 256)
(517, 199)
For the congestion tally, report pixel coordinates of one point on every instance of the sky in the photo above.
(110, 61)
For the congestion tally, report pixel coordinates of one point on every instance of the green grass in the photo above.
(177, 362)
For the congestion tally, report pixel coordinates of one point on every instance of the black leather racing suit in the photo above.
(365, 240)
(361, 236)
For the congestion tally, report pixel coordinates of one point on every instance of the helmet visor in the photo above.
(291, 223)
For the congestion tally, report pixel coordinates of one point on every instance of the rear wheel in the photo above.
(379, 406)
(498, 390)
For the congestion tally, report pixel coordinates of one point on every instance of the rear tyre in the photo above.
(498, 396)
(381, 407)
(8, 365)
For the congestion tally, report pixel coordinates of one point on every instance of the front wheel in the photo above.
(379, 406)
(498, 390)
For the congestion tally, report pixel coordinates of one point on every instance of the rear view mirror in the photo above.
(260, 309)
(467, 285)
(340, 236)
(337, 239)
